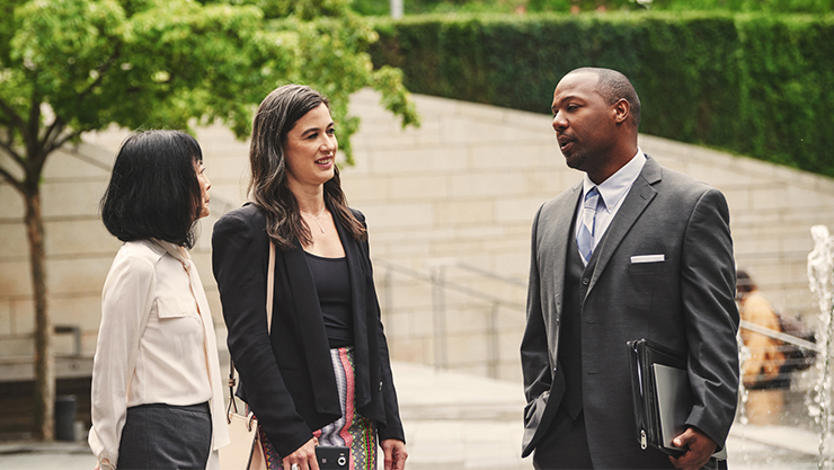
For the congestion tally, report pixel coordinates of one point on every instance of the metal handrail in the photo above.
(439, 285)
(445, 284)
(775, 334)
(413, 273)
(490, 274)
(449, 285)
(781, 336)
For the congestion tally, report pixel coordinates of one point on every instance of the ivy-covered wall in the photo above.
(756, 84)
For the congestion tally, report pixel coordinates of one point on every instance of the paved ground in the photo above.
(455, 421)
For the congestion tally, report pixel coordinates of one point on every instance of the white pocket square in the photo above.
(648, 259)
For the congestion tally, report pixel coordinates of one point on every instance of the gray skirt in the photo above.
(165, 437)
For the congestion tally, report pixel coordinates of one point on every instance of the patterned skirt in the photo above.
(352, 430)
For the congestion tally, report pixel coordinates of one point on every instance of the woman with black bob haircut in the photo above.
(322, 376)
(153, 191)
(157, 396)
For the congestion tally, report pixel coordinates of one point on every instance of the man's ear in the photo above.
(621, 111)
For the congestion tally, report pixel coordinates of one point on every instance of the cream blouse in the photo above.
(156, 344)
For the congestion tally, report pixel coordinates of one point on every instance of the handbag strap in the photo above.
(270, 286)
(270, 291)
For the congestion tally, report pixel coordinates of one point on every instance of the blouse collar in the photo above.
(177, 251)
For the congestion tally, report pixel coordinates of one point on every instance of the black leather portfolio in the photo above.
(661, 394)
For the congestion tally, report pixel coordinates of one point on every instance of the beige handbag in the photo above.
(245, 451)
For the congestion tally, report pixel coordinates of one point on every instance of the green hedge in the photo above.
(749, 83)
(382, 7)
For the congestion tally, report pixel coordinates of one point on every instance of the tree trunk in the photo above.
(44, 359)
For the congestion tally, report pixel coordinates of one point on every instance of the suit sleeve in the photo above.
(239, 269)
(535, 364)
(707, 295)
(393, 429)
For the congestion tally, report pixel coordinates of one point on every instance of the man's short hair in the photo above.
(614, 86)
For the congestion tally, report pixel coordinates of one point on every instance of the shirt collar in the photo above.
(177, 251)
(617, 185)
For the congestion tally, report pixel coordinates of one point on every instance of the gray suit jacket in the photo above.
(686, 302)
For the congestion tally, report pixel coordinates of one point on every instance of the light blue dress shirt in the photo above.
(612, 194)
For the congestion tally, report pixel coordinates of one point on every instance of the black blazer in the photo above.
(287, 377)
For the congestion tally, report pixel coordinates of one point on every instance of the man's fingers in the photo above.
(691, 459)
(698, 446)
(683, 439)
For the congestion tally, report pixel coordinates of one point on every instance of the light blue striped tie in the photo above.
(585, 237)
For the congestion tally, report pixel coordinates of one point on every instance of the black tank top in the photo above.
(332, 281)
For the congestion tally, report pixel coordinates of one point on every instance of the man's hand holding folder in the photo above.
(662, 400)
(698, 447)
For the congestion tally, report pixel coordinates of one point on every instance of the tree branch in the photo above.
(57, 125)
(10, 179)
(102, 70)
(59, 142)
(12, 114)
(30, 135)
(7, 146)
(37, 164)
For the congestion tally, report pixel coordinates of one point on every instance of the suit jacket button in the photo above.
(585, 281)
(380, 385)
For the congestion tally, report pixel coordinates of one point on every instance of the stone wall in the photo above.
(451, 201)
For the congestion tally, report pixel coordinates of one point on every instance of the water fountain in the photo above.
(743, 355)
(821, 280)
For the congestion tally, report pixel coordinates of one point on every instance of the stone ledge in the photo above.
(21, 368)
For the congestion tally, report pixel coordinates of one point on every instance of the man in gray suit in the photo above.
(634, 251)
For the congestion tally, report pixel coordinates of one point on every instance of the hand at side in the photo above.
(395, 454)
(304, 457)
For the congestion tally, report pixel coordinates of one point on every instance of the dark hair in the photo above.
(153, 191)
(614, 86)
(744, 283)
(275, 117)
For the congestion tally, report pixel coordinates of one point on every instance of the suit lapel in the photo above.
(562, 240)
(638, 198)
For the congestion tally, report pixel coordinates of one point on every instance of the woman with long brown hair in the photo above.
(322, 376)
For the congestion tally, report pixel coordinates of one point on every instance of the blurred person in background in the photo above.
(157, 399)
(761, 371)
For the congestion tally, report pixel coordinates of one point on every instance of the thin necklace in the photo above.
(316, 218)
